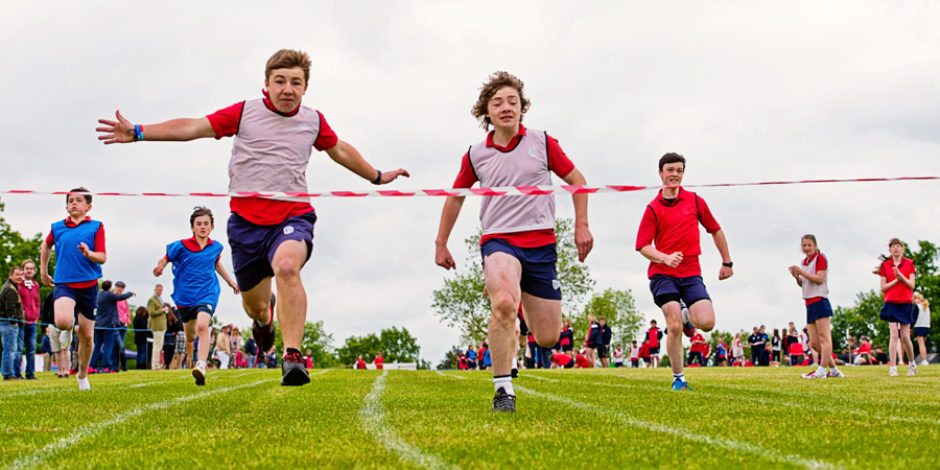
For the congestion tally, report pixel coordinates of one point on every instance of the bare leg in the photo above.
(922, 346)
(673, 313)
(701, 315)
(906, 344)
(893, 350)
(86, 344)
(502, 273)
(292, 299)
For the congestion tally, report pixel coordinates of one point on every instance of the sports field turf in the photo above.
(626, 418)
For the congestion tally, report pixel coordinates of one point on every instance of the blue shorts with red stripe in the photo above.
(253, 245)
(667, 289)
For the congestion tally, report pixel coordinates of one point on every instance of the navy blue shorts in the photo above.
(86, 300)
(538, 267)
(817, 310)
(253, 246)
(188, 314)
(922, 331)
(667, 289)
(898, 313)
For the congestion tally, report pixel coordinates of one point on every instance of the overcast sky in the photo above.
(747, 91)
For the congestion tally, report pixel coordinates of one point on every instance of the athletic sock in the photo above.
(201, 365)
(83, 384)
(504, 382)
(685, 316)
(820, 370)
(679, 376)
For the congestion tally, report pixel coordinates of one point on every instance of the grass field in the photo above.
(626, 418)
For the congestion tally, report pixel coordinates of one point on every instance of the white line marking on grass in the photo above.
(93, 429)
(373, 420)
(686, 434)
(449, 375)
(321, 372)
(72, 387)
(775, 402)
(538, 377)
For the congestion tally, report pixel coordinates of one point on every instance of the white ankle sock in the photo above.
(201, 364)
(83, 384)
(504, 382)
(680, 376)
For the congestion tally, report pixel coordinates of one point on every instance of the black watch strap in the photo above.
(729, 264)
(378, 177)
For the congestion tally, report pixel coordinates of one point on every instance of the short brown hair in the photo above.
(895, 241)
(671, 157)
(496, 82)
(288, 58)
(14, 269)
(812, 237)
(200, 211)
(80, 189)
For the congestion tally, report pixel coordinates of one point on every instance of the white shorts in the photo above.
(59, 339)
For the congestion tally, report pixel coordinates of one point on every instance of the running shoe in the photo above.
(835, 374)
(893, 371)
(293, 370)
(200, 375)
(912, 370)
(679, 385)
(264, 335)
(815, 375)
(924, 362)
(687, 329)
(504, 402)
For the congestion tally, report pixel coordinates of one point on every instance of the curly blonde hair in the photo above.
(494, 83)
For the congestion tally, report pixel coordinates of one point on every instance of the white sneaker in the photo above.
(893, 371)
(836, 374)
(83, 384)
(924, 362)
(814, 375)
(912, 370)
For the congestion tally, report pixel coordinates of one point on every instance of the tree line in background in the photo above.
(396, 344)
(460, 302)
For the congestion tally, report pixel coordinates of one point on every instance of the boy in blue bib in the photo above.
(80, 251)
(195, 285)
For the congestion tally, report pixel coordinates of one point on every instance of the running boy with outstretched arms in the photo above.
(271, 239)
(196, 290)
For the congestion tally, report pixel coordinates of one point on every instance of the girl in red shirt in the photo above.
(897, 284)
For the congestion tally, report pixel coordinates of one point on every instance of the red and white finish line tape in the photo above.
(497, 191)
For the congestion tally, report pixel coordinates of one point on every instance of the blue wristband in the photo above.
(138, 132)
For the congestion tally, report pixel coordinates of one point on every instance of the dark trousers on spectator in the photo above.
(142, 356)
(696, 356)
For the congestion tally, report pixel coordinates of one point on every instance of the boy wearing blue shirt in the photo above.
(80, 251)
(195, 285)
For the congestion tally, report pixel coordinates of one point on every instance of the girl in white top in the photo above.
(922, 325)
(618, 356)
(737, 350)
(811, 276)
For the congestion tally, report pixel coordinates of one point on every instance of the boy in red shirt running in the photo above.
(270, 239)
(669, 238)
(518, 243)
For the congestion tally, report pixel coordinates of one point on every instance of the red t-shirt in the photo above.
(582, 362)
(899, 293)
(698, 347)
(561, 359)
(671, 225)
(379, 362)
(821, 265)
(262, 211)
(558, 162)
(99, 247)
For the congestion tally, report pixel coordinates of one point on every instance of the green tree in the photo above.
(450, 359)
(618, 307)
(319, 342)
(396, 345)
(14, 249)
(861, 319)
(460, 303)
